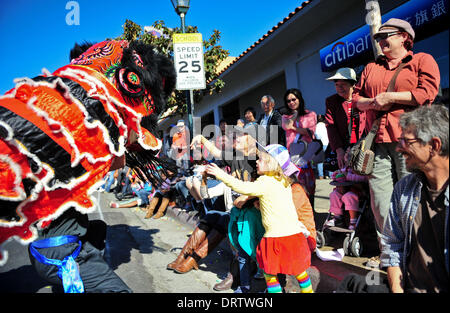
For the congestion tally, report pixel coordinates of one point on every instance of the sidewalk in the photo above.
(325, 276)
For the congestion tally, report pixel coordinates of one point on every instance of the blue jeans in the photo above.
(210, 204)
(244, 269)
(109, 180)
(182, 189)
(143, 195)
(212, 182)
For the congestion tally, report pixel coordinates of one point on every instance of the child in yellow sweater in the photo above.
(284, 248)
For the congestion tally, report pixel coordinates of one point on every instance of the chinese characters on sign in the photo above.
(423, 16)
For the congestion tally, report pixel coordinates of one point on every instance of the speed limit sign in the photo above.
(188, 57)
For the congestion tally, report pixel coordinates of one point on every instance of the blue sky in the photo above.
(35, 34)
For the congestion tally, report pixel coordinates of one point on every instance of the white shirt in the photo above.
(321, 133)
(265, 119)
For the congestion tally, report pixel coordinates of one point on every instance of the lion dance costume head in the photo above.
(61, 133)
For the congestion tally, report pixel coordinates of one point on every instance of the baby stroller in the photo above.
(353, 238)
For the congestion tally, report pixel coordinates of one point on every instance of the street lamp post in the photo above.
(181, 7)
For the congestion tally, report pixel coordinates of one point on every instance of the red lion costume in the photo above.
(61, 133)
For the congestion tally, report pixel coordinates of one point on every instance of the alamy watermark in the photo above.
(213, 132)
(73, 16)
(373, 278)
(373, 12)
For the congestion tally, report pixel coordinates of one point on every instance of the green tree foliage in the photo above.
(214, 54)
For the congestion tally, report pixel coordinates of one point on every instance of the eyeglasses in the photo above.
(291, 100)
(384, 36)
(407, 141)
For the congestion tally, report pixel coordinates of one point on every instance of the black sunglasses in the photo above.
(384, 36)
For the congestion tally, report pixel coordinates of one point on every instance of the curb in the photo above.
(325, 276)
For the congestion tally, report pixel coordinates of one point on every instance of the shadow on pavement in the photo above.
(12, 281)
(121, 239)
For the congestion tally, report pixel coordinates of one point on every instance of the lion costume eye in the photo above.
(130, 83)
(133, 78)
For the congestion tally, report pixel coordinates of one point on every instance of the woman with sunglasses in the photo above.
(300, 123)
(297, 120)
(417, 84)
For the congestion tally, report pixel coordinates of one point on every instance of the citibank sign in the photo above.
(421, 14)
(346, 49)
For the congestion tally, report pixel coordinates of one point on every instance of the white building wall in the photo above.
(289, 58)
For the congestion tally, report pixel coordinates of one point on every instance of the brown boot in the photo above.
(210, 243)
(188, 264)
(196, 238)
(224, 284)
(151, 207)
(162, 208)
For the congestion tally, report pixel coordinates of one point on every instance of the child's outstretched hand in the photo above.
(214, 170)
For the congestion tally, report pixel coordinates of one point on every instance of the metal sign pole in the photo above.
(188, 93)
(190, 109)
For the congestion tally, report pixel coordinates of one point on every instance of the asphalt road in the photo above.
(138, 250)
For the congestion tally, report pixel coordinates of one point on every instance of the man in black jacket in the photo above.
(271, 121)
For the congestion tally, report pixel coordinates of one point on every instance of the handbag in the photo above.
(314, 152)
(297, 150)
(361, 156)
(301, 152)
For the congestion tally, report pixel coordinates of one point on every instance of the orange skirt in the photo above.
(288, 255)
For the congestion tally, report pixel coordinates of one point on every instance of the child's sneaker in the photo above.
(242, 289)
(335, 221)
(330, 223)
(113, 205)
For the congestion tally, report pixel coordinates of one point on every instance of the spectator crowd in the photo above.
(253, 182)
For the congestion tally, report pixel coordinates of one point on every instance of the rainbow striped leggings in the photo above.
(273, 285)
